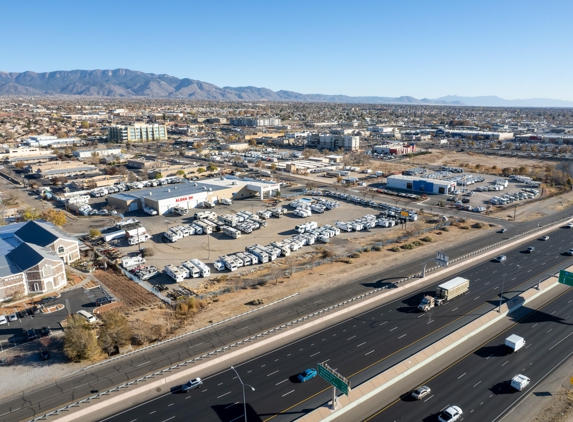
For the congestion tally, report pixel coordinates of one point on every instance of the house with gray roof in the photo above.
(33, 257)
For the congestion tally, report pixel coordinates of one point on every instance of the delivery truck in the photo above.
(445, 292)
(514, 342)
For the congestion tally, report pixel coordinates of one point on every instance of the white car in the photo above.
(570, 252)
(192, 384)
(545, 238)
(3, 320)
(451, 414)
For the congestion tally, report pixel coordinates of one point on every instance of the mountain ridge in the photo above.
(126, 83)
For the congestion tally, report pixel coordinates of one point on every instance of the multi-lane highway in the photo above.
(358, 348)
(479, 382)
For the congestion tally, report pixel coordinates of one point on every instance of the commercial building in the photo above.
(475, 134)
(59, 169)
(97, 153)
(255, 121)
(334, 142)
(51, 141)
(236, 146)
(191, 195)
(420, 184)
(394, 148)
(32, 257)
(138, 132)
(25, 154)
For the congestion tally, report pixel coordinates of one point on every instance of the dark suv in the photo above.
(31, 334)
(104, 300)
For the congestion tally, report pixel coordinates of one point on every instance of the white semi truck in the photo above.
(445, 292)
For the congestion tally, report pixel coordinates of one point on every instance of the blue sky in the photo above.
(514, 49)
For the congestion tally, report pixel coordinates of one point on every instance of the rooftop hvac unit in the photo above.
(210, 189)
(204, 188)
(150, 193)
(168, 190)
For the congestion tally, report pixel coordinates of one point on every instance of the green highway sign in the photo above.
(334, 379)
(566, 277)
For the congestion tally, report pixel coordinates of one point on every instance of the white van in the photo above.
(89, 317)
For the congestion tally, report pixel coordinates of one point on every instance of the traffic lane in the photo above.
(104, 380)
(478, 382)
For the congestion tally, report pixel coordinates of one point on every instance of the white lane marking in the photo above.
(489, 356)
(317, 353)
(393, 328)
(371, 351)
(292, 391)
(204, 390)
(553, 312)
(350, 338)
(428, 398)
(430, 321)
(219, 384)
(476, 298)
(272, 373)
(231, 405)
(551, 329)
(224, 395)
(462, 375)
(262, 366)
(418, 316)
(252, 370)
(153, 412)
(384, 322)
(361, 344)
(534, 325)
(170, 404)
(145, 363)
(454, 309)
(168, 419)
(505, 363)
(556, 344)
(281, 382)
(487, 283)
(403, 335)
(477, 384)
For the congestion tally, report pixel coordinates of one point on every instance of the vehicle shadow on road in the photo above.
(235, 412)
(503, 387)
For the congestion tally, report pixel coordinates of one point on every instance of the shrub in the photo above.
(262, 283)
(377, 248)
(146, 252)
(345, 260)
(417, 243)
(407, 246)
(427, 239)
(478, 225)
(464, 227)
(255, 302)
(395, 249)
(446, 229)
(354, 255)
(366, 250)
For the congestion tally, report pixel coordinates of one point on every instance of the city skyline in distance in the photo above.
(509, 48)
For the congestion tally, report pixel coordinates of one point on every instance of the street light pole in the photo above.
(244, 398)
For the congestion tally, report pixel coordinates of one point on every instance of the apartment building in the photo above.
(137, 133)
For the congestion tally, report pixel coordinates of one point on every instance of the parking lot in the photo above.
(209, 248)
(14, 332)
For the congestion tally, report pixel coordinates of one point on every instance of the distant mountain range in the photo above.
(130, 83)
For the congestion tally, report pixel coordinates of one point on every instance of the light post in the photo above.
(244, 399)
(502, 287)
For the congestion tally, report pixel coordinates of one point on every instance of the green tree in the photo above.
(158, 176)
(94, 233)
(80, 342)
(212, 167)
(115, 331)
(201, 170)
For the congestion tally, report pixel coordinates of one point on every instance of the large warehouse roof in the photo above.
(183, 189)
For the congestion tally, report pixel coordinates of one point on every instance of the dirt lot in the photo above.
(559, 409)
(132, 295)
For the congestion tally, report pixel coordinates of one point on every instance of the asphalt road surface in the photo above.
(479, 382)
(358, 348)
(38, 401)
